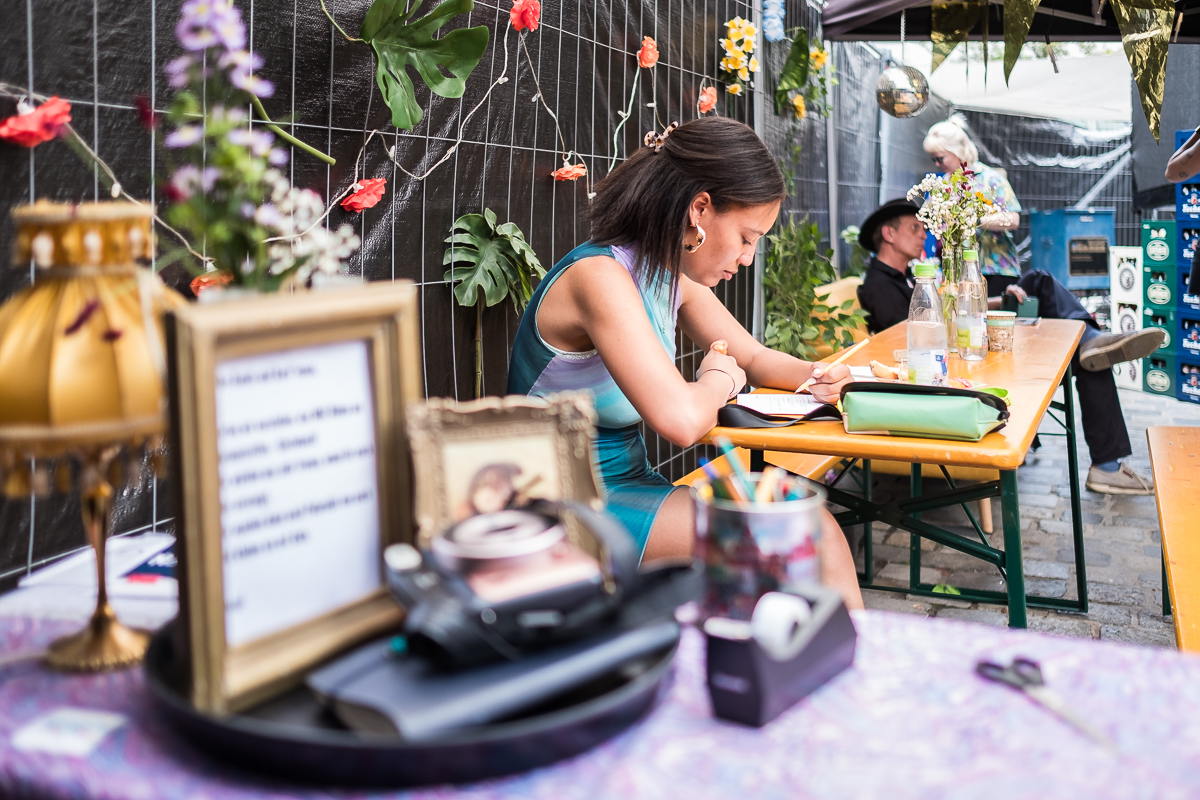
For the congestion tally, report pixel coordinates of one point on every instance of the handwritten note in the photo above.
(299, 502)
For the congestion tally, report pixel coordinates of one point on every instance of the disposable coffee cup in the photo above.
(749, 549)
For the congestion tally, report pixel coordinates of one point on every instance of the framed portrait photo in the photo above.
(293, 472)
(498, 452)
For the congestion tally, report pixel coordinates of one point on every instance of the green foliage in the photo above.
(490, 262)
(236, 179)
(795, 71)
(796, 321)
(945, 588)
(400, 41)
(803, 76)
(860, 257)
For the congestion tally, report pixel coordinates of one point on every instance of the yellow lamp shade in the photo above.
(81, 349)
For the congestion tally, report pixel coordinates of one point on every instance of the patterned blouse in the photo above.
(997, 249)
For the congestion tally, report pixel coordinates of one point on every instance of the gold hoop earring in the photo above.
(700, 237)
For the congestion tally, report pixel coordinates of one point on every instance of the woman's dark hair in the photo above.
(644, 202)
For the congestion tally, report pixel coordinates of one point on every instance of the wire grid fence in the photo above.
(1053, 164)
(100, 56)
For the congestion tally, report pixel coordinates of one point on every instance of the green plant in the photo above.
(860, 257)
(489, 262)
(400, 41)
(797, 322)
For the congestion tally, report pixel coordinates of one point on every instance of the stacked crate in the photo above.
(1160, 275)
(1186, 328)
(1125, 277)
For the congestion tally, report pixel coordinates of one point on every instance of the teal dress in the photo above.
(630, 488)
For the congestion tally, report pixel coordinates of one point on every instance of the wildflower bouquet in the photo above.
(226, 189)
(739, 61)
(953, 210)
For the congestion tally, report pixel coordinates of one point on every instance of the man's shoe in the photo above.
(1123, 481)
(1114, 348)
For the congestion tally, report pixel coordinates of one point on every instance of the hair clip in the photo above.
(656, 140)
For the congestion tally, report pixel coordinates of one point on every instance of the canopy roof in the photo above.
(1095, 88)
(1064, 20)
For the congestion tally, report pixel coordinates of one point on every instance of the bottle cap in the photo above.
(970, 255)
(923, 269)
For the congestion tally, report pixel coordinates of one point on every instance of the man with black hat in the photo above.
(897, 238)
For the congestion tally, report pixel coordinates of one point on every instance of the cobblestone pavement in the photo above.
(1122, 544)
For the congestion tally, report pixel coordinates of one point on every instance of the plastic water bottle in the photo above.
(927, 351)
(972, 310)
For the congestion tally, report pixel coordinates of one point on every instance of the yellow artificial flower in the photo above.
(734, 89)
(729, 46)
(734, 62)
(818, 58)
(744, 74)
(748, 32)
(754, 65)
(799, 107)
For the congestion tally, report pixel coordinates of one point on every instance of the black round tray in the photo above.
(294, 737)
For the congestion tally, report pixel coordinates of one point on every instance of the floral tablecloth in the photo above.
(910, 719)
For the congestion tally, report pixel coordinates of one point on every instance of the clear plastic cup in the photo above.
(750, 549)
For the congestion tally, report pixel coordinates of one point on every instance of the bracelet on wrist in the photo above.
(732, 380)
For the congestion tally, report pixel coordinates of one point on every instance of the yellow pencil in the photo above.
(837, 360)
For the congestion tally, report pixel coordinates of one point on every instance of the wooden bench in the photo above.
(1175, 461)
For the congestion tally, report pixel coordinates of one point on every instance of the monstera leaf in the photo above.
(492, 259)
(795, 71)
(489, 262)
(401, 40)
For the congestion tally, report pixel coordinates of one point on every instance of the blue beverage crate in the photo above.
(1187, 379)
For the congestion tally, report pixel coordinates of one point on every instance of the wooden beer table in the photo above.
(1032, 373)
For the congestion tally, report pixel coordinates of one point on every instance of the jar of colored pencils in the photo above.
(755, 533)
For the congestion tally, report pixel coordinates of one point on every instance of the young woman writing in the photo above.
(678, 217)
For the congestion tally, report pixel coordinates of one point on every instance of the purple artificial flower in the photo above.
(240, 59)
(278, 156)
(230, 30)
(183, 182)
(177, 70)
(208, 178)
(207, 23)
(248, 210)
(251, 84)
(186, 136)
(268, 216)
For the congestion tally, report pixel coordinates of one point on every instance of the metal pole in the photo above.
(831, 158)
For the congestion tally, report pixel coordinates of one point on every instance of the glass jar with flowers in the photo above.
(952, 212)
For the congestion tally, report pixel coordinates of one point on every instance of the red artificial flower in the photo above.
(572, 172)
(145, 111)
(525, 14)
(648, 55)
(708, 99)
(366, 194)
(209, 280)
(40, 125)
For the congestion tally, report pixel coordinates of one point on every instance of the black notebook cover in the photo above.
(375, 691)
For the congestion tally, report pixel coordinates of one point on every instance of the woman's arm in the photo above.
(704, 319)
(603, 300)
(1185, 162)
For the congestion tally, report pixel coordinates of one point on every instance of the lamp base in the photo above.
(105, 644)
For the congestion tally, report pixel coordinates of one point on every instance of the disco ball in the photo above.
(902, 91)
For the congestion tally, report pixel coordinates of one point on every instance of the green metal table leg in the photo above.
(1010, 512)
(1166, 590)
(1076, 503)
(868, 545)
(914, 541)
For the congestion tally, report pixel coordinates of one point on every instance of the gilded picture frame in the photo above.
(542, 445)
(225, 676)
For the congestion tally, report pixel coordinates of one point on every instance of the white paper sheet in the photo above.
(299, 502)
(786, 404)
(67, 731)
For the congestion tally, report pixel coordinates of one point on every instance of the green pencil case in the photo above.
(925, 412)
